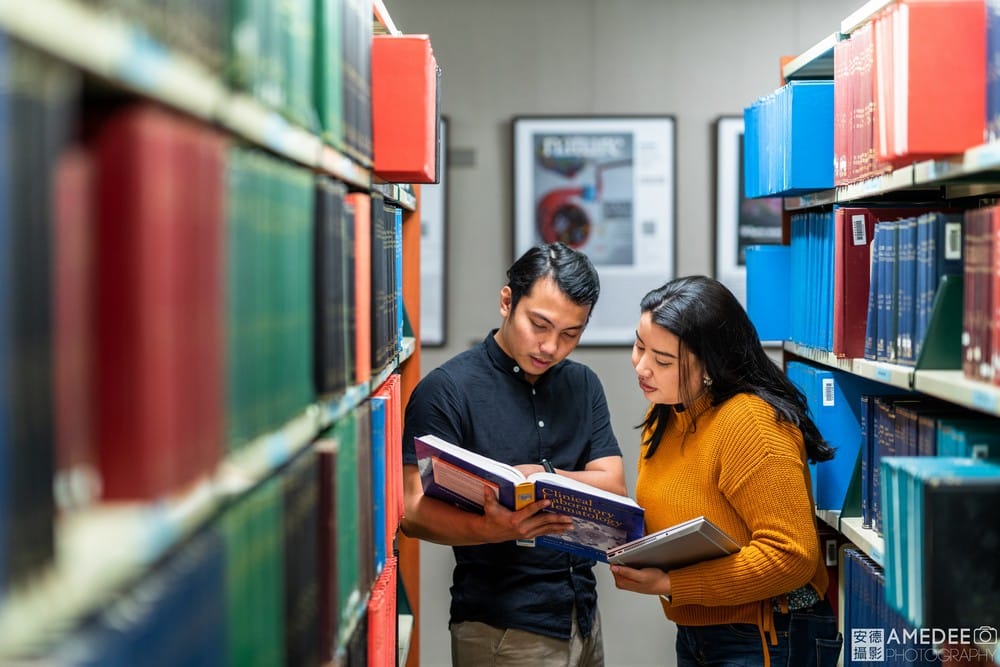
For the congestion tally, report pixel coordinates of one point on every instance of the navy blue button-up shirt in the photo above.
(480, 400)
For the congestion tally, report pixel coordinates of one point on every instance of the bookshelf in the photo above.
(104, 554)
(960, 180)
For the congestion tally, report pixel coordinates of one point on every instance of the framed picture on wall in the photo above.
(739, 222)
(433, 250)
(603, 185)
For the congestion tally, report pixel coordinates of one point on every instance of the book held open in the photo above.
(601, 520)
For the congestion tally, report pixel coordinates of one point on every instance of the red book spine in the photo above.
(362, 205)
(994, 323)
(139, 305)
(209, 299)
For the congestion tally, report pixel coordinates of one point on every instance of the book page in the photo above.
(462, 482)
(485, 463)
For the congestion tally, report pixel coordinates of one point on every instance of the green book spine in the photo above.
(346, 491)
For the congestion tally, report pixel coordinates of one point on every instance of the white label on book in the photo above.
(828, 392)
(953, 240)
(858, 235)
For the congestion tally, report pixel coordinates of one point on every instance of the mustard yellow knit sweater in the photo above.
(747, 473)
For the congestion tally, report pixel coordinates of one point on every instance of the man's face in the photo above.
(542, 330)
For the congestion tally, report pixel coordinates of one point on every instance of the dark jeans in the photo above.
(806, 638)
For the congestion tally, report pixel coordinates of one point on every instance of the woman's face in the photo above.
(657, 363)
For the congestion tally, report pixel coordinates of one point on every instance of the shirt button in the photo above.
(532, 391)
(517, 369)
(541, 424)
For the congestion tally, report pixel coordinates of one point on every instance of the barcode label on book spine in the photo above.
(858, 235)
(953, 240)
(828, 392)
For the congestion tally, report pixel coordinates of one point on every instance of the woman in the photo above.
(728, 436)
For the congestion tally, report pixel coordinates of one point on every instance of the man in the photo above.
(516, 398)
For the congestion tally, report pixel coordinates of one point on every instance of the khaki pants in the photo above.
(477, 645)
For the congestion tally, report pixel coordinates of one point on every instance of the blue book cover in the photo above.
(810, 143)
(831, 397)
(885, 345)
(906, 290)
(752, 176)
(400, 307)
(378, 416)
(601, 520)
(768, 307)
(969, 437)
(798, 278)
(921, 283)
(867, 428)
(176, 615)
(993, 69)
(871, 322)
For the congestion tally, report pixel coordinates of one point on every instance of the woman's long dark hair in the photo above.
(711, 323)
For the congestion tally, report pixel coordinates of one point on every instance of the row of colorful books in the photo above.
(913, 425)
(285, 574)
(873, 631)
(909, 256)
(941, 530)
(864, 279)
(183, 318)
(895, 76)
(309, 60)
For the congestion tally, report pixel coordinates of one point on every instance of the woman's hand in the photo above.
(648, 580)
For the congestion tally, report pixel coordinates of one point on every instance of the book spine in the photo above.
(524, 495)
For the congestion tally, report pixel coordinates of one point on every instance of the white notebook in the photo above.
(674, 547)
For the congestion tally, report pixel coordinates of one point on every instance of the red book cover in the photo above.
(361, 203)
(941, 75)
(208, 182)
(404, 108)
(73, 340)
(185, 170)
(382, 618)
(396, 443)
(995, 298)
(140, 304)
(976, 291)
(853, 233)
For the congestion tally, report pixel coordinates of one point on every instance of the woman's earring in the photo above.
(707, 381)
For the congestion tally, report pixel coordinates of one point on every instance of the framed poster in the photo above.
(433, 250)
(605, 186)
(739, 222)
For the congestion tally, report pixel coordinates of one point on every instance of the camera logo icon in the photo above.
(984, 634)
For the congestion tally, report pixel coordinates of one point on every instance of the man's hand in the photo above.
(501, 524)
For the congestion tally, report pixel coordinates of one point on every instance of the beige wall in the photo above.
(694, 59)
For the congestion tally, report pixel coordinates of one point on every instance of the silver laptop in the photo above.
(674, 547)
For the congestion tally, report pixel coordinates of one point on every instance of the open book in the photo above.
(674, 547)
(601, 520)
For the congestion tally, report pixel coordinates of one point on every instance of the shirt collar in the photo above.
(505, 363)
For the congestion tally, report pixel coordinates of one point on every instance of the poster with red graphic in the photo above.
(604, 186)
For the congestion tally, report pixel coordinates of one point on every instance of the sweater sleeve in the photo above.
(762, 476)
